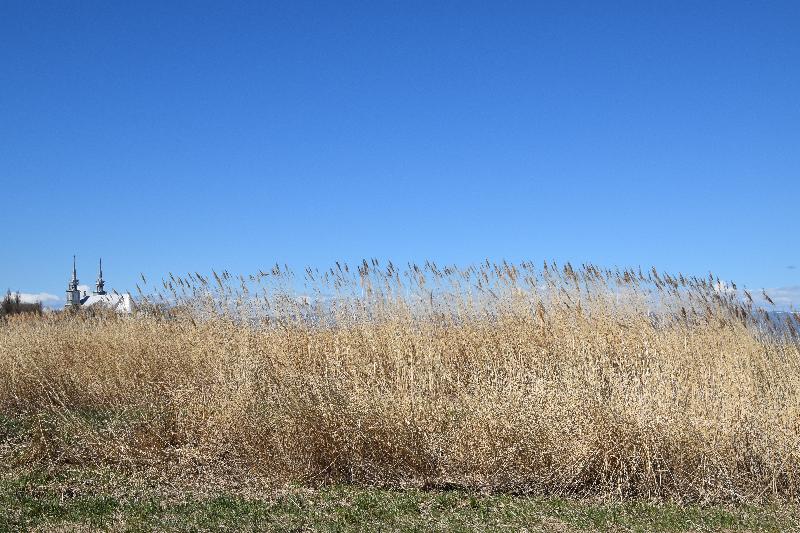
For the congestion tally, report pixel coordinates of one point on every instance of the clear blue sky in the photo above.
(232, 135)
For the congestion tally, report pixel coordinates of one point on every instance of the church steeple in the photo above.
(73, 284)
(100, 283)
(73, 293)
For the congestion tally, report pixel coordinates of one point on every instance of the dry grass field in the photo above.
(543, 380)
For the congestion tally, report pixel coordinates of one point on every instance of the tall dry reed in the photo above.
(549, 380)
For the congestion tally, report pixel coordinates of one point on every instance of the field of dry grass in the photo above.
(547, 380)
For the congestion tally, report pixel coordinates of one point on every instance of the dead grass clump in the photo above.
(501, 377)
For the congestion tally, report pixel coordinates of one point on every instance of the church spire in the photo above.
(73, 293)
(73, 284)
(100, 282)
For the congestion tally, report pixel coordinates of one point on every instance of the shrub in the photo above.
(12, 304)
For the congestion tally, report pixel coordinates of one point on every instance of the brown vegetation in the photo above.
(547, 380)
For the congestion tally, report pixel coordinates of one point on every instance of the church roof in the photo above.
(121, 303)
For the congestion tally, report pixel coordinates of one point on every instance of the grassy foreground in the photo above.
(82, 500)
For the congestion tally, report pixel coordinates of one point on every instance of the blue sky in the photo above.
(202, 135)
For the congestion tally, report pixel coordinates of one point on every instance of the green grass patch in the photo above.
(105, 501)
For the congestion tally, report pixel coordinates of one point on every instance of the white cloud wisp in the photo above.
(32, 298)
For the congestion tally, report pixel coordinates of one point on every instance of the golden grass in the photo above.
(547, 380)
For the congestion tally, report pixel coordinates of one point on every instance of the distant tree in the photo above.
(12, 304)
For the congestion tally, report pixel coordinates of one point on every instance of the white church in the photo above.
(77, 299)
